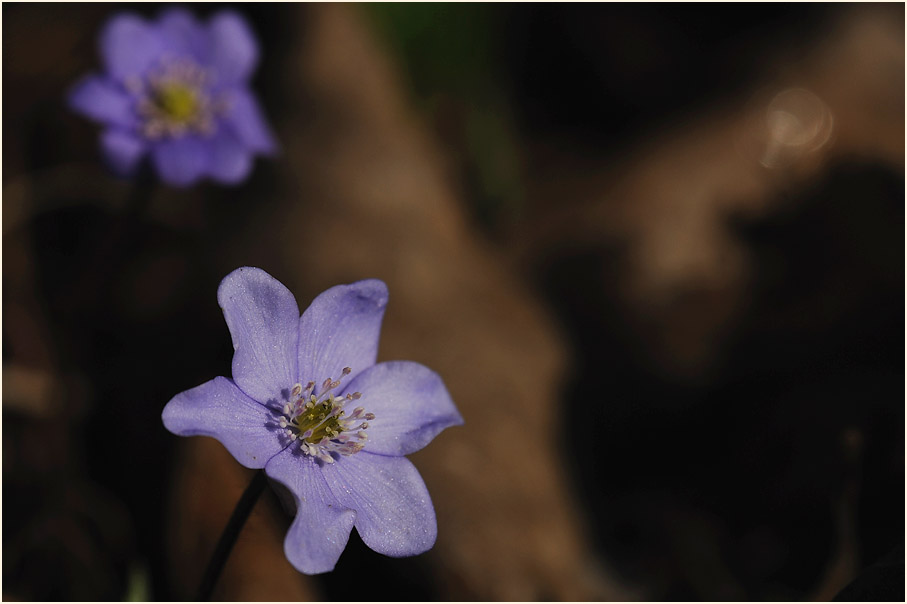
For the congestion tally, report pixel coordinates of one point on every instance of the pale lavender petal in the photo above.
(221, 410)
(231, 162)
(341, 329)
(322, 525)
(182, 34)
(122, 150)
(103, 101)
(129, 46)
(182, 161)
(410, 403)
(262, 316)
(245, 118)
(234, 50)
(394, 514)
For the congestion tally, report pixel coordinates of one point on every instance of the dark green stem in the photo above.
(230, 534)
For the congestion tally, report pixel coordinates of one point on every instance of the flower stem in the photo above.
(109, 257)
(231, 532)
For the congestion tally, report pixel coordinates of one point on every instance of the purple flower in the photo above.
(178, 90)
(309, 405)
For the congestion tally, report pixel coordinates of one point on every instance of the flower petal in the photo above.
(231, 162)
(101, 100)
(221, 410)
(341, 329)
(182, 161)
(262, 316)
(246, 120)
(410, 403)
(182, 34)
(129, 46)
(234, 50)
(322, 526)
(122, 151)
(394, 513)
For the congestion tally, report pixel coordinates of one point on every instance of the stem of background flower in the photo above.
(112, 252)
(230, 534)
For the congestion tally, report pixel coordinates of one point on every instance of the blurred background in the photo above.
(656, 252)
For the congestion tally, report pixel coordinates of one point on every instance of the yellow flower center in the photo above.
(175, 101)
(178, 101)
(321, 424)
(317, 421)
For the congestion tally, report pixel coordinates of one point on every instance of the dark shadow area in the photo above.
(806, 403)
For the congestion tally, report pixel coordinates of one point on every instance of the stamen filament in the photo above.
(321, 424)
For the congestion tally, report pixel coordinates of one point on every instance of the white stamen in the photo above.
(321, 424)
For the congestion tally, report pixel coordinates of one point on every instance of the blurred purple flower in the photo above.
(309, 405)
(177, 89)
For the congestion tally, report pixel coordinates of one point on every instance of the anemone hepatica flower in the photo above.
(177, 90)
(309, 405)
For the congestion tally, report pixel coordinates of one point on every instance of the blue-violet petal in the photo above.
(410, 403)
(341, 329)
(394, 513)
(103, 101)
(234, 50)
(182, 161)
(246, 119)
(262, 316)
(129, 47)
(320, 531)
(221, 410)
(122, 150)
(183, 35)
(231, 161)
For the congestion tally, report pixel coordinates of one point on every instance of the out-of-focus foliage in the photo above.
(453, 56)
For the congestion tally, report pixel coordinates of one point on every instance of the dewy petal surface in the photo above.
(322, 526)
(341, 329)
(394, 513)
(234, 50)
(122, 150)
(262, 316)
(410, 403)
(221, 410)
(99, 99)
(181, 161)
(129, 46)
